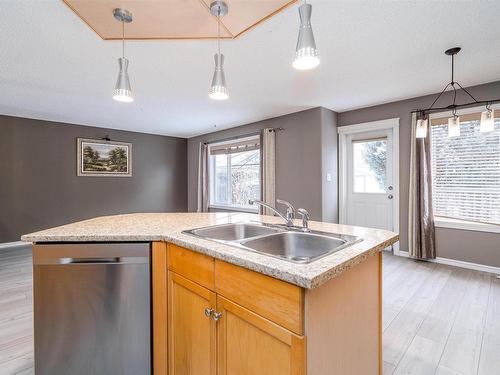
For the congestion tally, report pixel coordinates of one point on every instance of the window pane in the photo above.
(466, 172)
(221, 186)
(245, 179)
(370, 166)
(235, 178)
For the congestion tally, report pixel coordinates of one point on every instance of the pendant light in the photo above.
(422, 125)
(218, 89)
(454, 126)
(123, 91)
(306, 53)
(487, 120)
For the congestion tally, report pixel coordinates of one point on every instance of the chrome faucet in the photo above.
(290, 211)
(305, 219)
(289, 214)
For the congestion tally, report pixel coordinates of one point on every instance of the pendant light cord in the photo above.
(218, 31)
(123, 38)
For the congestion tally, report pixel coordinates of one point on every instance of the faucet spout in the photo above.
(289, 222)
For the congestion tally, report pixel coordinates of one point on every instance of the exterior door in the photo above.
(249, 344)
(370, 192)
(191, 332)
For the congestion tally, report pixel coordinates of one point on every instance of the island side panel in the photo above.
(343, 322)
(159, 304)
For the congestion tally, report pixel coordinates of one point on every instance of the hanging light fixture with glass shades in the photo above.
(306, 53)
(218, 89)
(487, 116)
(123, 91)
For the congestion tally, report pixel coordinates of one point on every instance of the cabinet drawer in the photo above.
(276, 300)
(193, 266)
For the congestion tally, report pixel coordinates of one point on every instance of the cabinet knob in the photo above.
(209, 312)
(216, 315)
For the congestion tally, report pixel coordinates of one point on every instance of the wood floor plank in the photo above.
(438, 320)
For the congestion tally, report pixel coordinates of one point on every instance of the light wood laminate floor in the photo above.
(438, 320)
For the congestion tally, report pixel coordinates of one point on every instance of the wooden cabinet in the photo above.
(227, 320)
(191, 329)
(248, 344)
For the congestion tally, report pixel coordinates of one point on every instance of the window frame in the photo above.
(211, 170)
(456, 223)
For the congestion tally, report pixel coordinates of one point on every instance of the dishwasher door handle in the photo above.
(112, 260)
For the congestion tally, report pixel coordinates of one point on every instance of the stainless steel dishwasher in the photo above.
(92, 309)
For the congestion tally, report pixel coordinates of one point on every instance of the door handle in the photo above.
(209, 312)
(390, 196)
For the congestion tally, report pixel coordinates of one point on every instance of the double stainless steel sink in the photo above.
(288, 243)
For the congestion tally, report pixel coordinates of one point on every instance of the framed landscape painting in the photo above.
(101, 158)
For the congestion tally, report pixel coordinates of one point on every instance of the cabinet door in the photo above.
(248, 344)
(191, 333)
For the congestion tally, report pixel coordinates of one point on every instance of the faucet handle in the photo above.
(305, 219)
(290, 210)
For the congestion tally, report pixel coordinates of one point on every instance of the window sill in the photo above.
(234, 208)
(445, 222)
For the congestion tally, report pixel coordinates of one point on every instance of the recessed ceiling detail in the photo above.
(186, 19)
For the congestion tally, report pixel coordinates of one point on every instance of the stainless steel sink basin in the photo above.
(297, 247)
(233, 232)
(287, 243)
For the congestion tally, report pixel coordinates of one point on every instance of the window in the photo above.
(370, 166)
(466, 171)
(235, 174)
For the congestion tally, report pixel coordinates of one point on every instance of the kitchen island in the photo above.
(220, 309)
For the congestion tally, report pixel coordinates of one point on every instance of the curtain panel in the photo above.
(203, 177)
(421, 234)
(268, 166)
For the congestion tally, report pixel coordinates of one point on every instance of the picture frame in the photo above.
(103, 158)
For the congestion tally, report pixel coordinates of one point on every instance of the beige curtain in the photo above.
(268, 165)
(421, 235)
(203, 178)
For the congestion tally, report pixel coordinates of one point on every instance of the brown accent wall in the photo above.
(302, 149)
(39, 187)
(477, 247)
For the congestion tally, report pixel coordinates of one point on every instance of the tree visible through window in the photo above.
(235, 178)
(466, 172)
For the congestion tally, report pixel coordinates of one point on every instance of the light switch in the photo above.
(329, 177)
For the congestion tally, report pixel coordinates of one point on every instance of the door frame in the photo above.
(344, 132)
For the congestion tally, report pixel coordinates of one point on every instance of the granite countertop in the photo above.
(169, 226)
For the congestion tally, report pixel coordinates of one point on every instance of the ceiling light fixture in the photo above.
(218, 89)
(123, 91)
(487, 117)
(306, 53)
(487, 120)
(422, 125)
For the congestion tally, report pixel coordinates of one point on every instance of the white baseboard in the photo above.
(13, 245)
(457, 263)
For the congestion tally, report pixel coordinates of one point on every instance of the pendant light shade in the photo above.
(218, 90)
(123, 91)
(306, 53)
(454, 126)
(422, 128)
(487, 121)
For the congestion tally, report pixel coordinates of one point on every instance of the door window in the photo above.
(370, 166)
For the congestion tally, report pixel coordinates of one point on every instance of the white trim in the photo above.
(234, 208)
(13, 245)
(445, 222)
(344, 131)
(369, 126)
(457, 263)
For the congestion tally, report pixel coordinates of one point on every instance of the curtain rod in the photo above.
(241, 136)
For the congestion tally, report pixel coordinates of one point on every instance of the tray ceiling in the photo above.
(168, 19)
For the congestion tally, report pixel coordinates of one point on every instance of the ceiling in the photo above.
(54, 67)
(186, 19)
